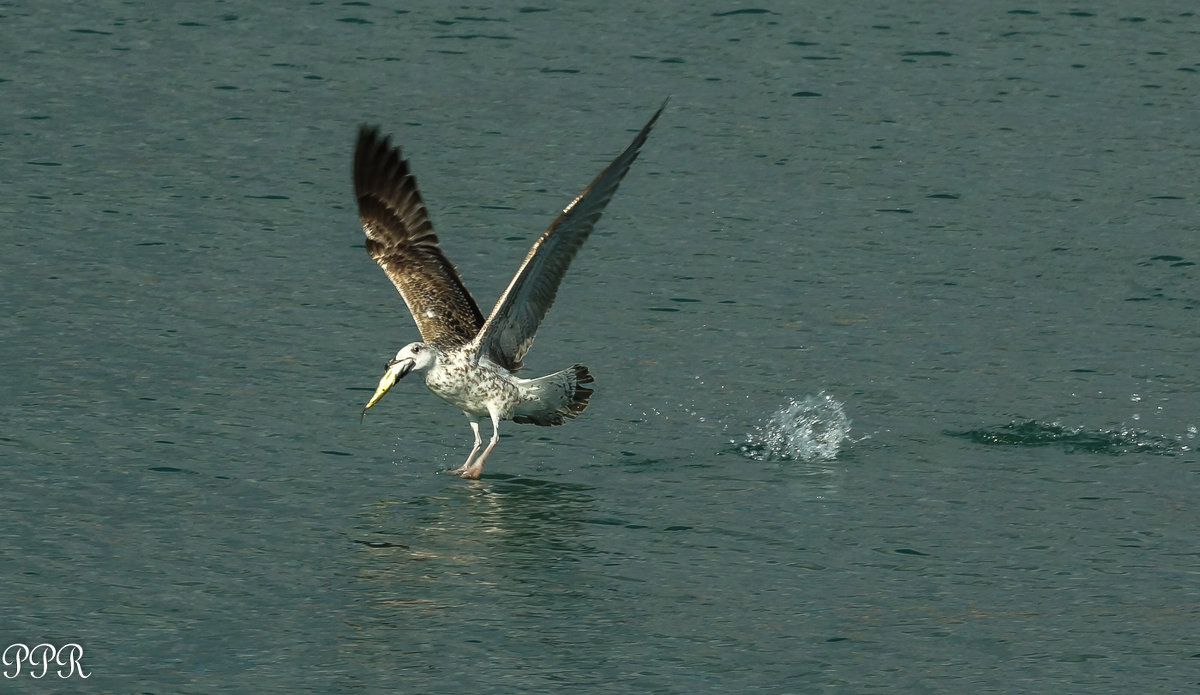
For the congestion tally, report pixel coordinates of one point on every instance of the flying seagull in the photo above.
(466, 360)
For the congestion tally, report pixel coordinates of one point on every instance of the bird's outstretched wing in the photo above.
(510, 328)
(401, 240)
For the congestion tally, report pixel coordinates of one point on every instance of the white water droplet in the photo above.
(810, 429)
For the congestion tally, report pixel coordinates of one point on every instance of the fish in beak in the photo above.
(396, 370)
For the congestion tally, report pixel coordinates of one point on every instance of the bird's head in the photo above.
(412, 357)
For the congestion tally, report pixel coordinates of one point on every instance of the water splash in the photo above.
(810, 429)
(1123, 440)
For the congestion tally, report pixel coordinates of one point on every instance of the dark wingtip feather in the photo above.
(377, 164)
(399, 236)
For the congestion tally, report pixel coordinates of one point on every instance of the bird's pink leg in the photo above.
(462, 470)
(473, 470)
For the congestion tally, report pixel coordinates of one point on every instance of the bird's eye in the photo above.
(416, 349)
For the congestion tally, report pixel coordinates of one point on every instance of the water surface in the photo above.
(971, 227)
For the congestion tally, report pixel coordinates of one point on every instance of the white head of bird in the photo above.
(414, 357)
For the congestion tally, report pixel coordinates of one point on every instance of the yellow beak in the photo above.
(390, 377)
(385, 383)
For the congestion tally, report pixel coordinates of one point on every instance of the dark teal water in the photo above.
(966, 231)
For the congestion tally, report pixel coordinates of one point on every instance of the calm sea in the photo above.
(894, 327)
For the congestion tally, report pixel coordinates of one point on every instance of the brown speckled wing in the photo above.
(401, 240)
(510, 328)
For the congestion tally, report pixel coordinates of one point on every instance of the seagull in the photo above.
(466, 360)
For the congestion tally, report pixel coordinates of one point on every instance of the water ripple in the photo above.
(1123, 440)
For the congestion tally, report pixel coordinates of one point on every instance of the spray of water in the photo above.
(813, 428)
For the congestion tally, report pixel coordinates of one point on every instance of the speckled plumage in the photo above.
(466, 360)
(480, 388)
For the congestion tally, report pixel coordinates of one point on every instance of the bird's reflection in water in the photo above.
(525, 515)
(508, 534)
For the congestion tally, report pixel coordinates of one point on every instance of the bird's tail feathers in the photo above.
(564, 397)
